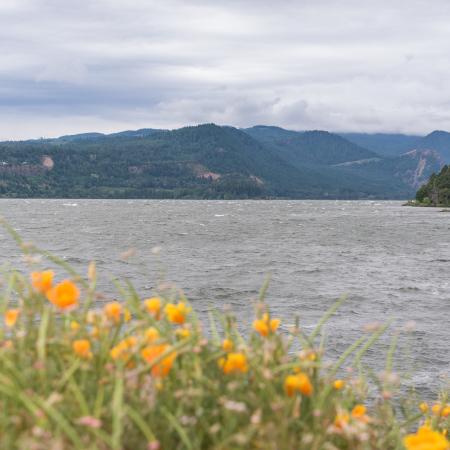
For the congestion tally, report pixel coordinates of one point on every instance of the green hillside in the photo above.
(437, 191)
(311, 147)
(345, 163)
(205, 161)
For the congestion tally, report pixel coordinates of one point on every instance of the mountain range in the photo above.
(211, 161)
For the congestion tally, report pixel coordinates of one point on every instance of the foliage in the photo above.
(206, 161)
(78, 371)
(437, 191)
(313, 147)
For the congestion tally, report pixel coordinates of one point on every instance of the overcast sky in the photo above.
(69, 66)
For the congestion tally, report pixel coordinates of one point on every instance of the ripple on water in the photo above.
(221, 252)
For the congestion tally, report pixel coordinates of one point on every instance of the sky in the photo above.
(107, 65)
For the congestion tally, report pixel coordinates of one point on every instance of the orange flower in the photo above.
(11, 316)
(153, 306)
(113, 311)
(42, 281)
(265, 325)
(164, 365)
(426, 439)
(234, 363)
(227, 345)
(131, 341)
(177, 313)
(64, 295)
(359, 413)
(341, 420)
(82, 347)
(439, 409)
(338, 384)
(299, 382)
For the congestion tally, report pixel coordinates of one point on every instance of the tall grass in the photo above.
(77, 372)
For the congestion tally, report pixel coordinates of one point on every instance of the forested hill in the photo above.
(310, 147)
(206, 161)
(437, 190)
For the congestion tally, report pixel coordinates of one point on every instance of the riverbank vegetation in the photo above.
(437, 191)
(79, 370)
(207, 162)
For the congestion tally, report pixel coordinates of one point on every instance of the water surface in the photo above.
(392, 261)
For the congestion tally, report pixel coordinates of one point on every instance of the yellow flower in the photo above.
(177, 313)
(153, 353)
(439, 409)
(118, 351)
(82, 347)
(183, 333)
(436, 409)
(299, 382)
(234, 363)
(426, 439)
(424, 407)
(11, 316)
(338, 384)
(64, 295)
(308, 355)
(74, 325)
(227, 345)
(153, 306)
(359, 413)
(265, 325)
(126, 315)
(113, 311)
(123, 349)
(151, 334)
(42, 281)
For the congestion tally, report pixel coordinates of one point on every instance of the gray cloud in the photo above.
(106, 65)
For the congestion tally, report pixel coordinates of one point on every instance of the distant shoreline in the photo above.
(415, 204)
(219, 199)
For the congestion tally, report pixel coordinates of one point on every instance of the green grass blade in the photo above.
(117, 411)
(178, 428)
(326, 317)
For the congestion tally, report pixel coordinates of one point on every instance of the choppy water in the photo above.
(392, 261)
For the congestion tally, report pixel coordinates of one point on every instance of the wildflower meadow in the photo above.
(79, 370)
